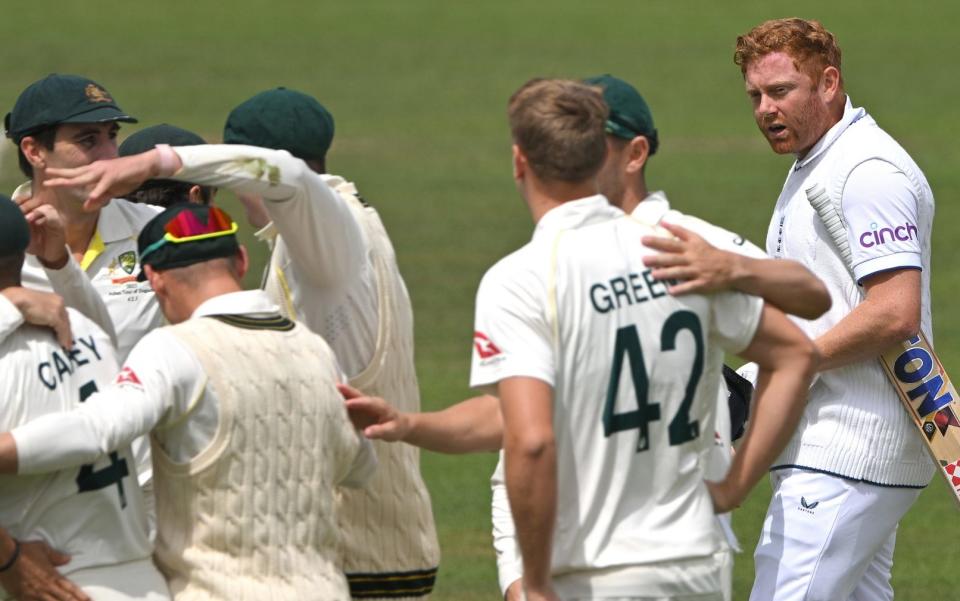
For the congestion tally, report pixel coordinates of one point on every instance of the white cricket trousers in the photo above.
(684, 580)
(130, 581)
(826, 538)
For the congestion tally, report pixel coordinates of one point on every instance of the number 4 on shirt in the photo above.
(627, 346)
(89, 479)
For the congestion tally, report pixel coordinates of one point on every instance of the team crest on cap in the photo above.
(128, 261)
(96, 94)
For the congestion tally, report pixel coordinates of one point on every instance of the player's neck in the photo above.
(542, 196)
(633, 195)
(186, 298)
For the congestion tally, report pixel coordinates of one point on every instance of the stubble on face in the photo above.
(787, 105)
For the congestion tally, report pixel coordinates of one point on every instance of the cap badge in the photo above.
(96, 94)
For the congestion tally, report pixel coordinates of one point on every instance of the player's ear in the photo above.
(195, 195)
(639, 152)
(519, 163)
(34, 151)
(830, 83)
(242, 262)
(155, 279)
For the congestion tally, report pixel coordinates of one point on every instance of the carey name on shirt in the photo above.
(83, 351)
(627, 290)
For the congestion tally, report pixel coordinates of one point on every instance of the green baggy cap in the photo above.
(14, 232)
(282, 119)
(59, 99)
(629, 114)
(148, 137)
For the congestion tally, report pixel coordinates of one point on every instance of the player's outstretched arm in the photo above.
(702, 267)
(470, 426)
(787, 361)
(32, 571)
(530, 461)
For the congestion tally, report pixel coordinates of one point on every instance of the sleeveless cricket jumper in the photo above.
(389, 540)
(332, 267)
(251, 517)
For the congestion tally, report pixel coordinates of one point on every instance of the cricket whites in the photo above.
(913, 369)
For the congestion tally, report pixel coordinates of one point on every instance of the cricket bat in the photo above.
(924, 388)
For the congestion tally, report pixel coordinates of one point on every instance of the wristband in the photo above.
(13, 558)
(168, 160)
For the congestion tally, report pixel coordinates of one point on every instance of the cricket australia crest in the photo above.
(128, 261)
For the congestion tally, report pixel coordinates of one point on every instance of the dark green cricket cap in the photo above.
(282, 119)
(148, 137)
(14, 233)
(166, 255)
(629, 114)
(59, 99)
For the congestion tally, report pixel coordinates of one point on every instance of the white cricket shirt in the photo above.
(636, 376)
(93, 512)
(112, 264)
(853, 425)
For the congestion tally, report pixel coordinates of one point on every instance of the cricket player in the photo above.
(855, 465)
(93, 513)
(333, 267)
(69, 121)
(244, 487)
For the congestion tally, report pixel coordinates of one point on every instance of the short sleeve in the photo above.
(511, 334)
(734, 320)
(10, 317)
(881, 212)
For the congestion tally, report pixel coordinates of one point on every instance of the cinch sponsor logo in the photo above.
(881, 235)
(928, 372)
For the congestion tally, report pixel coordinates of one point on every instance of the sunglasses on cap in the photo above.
(187, 227)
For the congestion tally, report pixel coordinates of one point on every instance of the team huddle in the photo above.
(167, 434)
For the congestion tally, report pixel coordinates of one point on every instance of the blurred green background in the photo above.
(418, 89)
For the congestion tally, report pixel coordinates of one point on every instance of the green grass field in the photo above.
(419, 89)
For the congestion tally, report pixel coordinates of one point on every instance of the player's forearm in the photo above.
(863, 335)
(780, 398)
(787, 284)
(531, 475)
(105, 422)
(78, 292)
(471, 426)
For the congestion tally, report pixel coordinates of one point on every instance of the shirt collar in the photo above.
(851, 115)
(575, 213)
(236, 303)
(652, 208)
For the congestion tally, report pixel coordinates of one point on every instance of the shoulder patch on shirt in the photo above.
(128, 376)
(485, 347)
